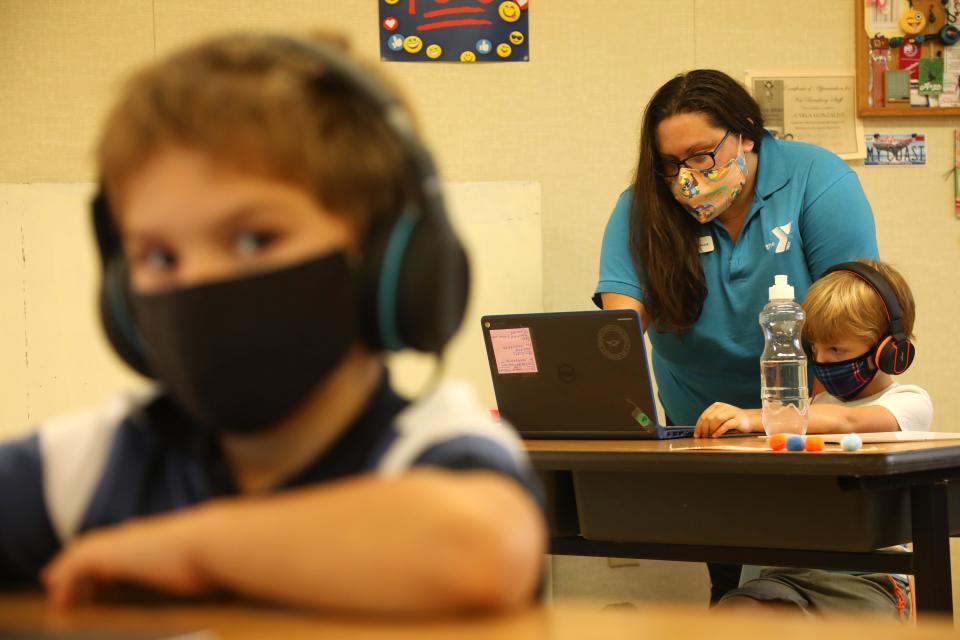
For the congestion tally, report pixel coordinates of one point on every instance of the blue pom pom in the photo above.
(794, 443)
(851, 442)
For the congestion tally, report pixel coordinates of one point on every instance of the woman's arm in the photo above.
(620, 301)
(430, 541)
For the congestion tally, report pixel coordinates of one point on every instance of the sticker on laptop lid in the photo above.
(613, 342)
(642, 418)
(513, 350)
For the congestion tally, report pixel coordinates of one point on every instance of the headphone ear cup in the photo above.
(433, 286)
(115, 312)
(117, 316)
(415, 284)
(894, 357)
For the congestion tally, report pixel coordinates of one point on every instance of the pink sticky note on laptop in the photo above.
(513, 350)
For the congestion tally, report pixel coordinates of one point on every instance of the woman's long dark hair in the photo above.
(663, 236)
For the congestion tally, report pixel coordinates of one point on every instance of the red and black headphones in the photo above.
(894, 352)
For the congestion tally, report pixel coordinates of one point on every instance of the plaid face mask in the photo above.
(846, 379)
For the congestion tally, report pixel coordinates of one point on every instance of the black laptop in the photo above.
(581, 374)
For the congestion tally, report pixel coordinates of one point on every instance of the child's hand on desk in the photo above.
(719, 418)
(155, 552)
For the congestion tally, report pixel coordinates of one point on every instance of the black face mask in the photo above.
(239, 355)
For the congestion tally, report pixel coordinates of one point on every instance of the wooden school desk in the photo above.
(561, 622)
(670, 500)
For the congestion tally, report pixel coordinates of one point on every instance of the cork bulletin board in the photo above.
(908, 57)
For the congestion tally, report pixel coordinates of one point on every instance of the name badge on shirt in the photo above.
(706, 244)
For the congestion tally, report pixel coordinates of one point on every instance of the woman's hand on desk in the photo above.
(157, 552)
(720, 418)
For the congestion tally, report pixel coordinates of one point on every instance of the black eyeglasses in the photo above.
(698, 161)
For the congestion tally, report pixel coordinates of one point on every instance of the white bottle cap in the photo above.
(780, 289)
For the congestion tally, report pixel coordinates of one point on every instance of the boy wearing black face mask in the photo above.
(274, 460)
(846, 324)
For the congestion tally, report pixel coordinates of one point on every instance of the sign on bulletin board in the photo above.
(471, 31)
(818, 107)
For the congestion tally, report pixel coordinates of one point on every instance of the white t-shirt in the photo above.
(908, 403)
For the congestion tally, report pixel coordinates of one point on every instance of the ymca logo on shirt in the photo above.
(781, 236)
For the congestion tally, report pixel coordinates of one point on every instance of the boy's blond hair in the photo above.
(841, 305)
(254, 105)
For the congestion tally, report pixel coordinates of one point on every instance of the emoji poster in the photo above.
(469, 31)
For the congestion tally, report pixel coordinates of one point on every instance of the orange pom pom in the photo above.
(778, 441)
(814, 443)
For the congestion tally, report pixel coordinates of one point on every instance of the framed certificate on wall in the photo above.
(819, 107)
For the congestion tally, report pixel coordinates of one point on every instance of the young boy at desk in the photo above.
(859, 322)
(858, 327)
(268, 226)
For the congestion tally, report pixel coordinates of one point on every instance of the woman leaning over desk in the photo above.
(717, 208)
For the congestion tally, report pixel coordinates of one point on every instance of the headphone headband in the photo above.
(895, 351)
(875, 280)
(337, 66)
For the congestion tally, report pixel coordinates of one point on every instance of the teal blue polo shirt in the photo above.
(808, 213)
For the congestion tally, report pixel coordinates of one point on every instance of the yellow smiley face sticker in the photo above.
(434, 51)
(504, 50)
(509, 11)
(913, 22)
(468, 56)
(412, 44)
(516, 38)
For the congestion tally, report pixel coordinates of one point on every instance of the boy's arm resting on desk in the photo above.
(426, 541)
(825, 418)
(720, 418)
(905, 407)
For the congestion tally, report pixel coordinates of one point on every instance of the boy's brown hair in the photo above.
(254, 105)
(841, 305)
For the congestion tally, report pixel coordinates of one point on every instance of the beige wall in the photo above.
(568, 120)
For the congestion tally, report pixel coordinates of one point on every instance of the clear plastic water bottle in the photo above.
(783, 365)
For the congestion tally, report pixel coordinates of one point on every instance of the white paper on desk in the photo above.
(895, 436)
(733, 447)
(718, 447)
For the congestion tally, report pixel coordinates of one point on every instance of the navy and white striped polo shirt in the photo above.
(138, 456)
